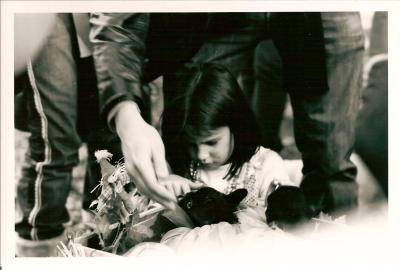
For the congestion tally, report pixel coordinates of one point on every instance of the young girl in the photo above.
(211, 137)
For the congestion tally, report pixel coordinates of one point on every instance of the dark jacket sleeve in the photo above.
(118, 49)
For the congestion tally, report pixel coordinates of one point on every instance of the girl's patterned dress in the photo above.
(266, 167)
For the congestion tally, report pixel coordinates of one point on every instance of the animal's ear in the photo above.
(237, 196)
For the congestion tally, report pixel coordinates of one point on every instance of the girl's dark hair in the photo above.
(208, 97)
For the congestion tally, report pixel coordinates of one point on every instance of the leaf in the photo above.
(113, 226)
(107, 222)
(91, 225)
(112, 178)
(93, 203)
(118, 187)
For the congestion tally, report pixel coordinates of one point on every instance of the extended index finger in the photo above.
(148, 183)
(195, 185)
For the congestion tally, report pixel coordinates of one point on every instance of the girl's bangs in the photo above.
(195, 132)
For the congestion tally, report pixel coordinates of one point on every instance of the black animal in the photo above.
(287, 208)
(204, 207)
(209, 206)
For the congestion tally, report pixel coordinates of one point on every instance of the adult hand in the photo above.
(144, 154)
(179, 185)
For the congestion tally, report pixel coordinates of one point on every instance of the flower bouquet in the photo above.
(121, 219)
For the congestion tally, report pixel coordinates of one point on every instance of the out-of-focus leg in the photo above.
(269, 98)
(53, 144)
(234, 49)
(325, 123)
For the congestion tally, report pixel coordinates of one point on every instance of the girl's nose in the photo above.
(202, 153)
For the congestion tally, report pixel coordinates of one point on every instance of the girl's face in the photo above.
(214, 150)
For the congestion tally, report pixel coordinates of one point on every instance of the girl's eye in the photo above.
(211, 143)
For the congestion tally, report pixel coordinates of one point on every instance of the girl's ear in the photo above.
(237, 196)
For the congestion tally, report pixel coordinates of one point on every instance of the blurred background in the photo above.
(370, 154)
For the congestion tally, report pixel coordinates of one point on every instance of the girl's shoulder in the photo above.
(264, 155)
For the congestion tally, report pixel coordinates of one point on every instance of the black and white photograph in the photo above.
(191, 132)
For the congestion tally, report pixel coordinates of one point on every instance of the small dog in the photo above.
(287, 208)
(204, 207)
(209, 206)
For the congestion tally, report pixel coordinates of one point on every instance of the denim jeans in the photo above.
(53, 144)
(325, 124)
(63, 112)
(269, 98)
(62, 102)
(324, 121)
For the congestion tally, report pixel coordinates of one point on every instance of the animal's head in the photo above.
(287, 208)
(209, 206)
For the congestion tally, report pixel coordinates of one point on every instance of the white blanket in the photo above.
(249, 234)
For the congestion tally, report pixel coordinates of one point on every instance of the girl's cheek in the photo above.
(223, 153)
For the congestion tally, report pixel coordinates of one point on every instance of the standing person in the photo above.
(53, 144)
(372, 121)
(54, 109)
(321, 57)
(325, 123)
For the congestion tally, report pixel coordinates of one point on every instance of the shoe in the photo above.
(39, 248)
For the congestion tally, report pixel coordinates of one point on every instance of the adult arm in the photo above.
(119, 49)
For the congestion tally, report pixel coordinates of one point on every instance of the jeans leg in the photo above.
(269, 98)
(53, 144)
(233, 50)
(325, 123)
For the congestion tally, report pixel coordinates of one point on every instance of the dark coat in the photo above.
(134, 48)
